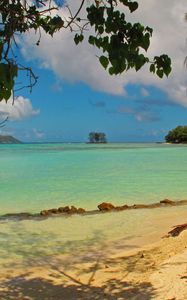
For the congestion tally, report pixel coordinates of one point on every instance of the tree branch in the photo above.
(73, 18)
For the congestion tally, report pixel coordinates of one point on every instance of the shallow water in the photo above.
(35, 177)
(76, 239)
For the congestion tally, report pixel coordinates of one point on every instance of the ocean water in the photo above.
(41, 176)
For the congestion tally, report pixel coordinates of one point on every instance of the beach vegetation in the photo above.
(177, 135)
(97, 137)
(122, 44)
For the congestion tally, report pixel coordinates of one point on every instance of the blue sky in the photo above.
(74, 96)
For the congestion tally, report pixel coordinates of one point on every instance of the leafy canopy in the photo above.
(123, 44)
(177, 135)
(97, 137)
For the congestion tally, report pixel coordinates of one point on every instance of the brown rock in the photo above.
(66, 209)
(181, 202)
(73, 210)
(44, 213)
(120, 208)
(23, 215)
(105, 206)
(81, 210)
(155, 205)
(61, 209)
(167, 201)
(53, 210)
(136, 206)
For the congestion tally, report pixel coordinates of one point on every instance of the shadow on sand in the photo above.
(21, 288)
(49, 276)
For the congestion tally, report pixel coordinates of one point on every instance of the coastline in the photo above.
(154, 271)
(94, 255)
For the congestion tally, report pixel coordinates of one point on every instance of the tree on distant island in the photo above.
(177, 135)
(97, 137)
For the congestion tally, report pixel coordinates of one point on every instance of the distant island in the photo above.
(177, 135)
(8, 139)
(97, 138)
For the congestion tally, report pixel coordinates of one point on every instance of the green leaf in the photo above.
(146, 42)
(14, 70)
(104, 61)
(91, 40)
(167, 70)
(4, 16)
(111, 71)
(100, 29)
(140, 61)
(133, 6)
(78, 38)
(57, 21)
(98, 42)
(81, 38)
(160, 73)
(152, 68)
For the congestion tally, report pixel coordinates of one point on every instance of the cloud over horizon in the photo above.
(141, 115)
(79, 63)
(18, 110)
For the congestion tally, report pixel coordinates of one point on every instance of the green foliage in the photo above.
(161, 65)
(104, 61)
(97, 137)
(177, 135)
(18, 18)
(122, 44)
(78, 38)
(7, 74)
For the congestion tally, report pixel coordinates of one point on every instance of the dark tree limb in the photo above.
(77, 13)
(177, 230)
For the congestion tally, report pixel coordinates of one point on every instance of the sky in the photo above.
(74, 95)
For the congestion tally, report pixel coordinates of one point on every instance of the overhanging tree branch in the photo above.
(122, 44)
(75, 16)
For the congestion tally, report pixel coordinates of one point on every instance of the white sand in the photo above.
(158, 271)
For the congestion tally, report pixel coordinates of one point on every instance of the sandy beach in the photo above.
(93, 150)
(157, 271)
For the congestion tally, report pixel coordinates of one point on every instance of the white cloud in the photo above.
(38, 133)
(20, 109)
(138, 114)
(6, 131)
(146, 116)
(79, 63)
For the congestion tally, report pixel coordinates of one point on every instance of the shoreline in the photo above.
(104, 207)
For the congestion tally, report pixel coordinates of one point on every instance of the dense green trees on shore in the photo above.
(177, 135)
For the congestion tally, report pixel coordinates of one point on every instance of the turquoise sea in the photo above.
(41, 176)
